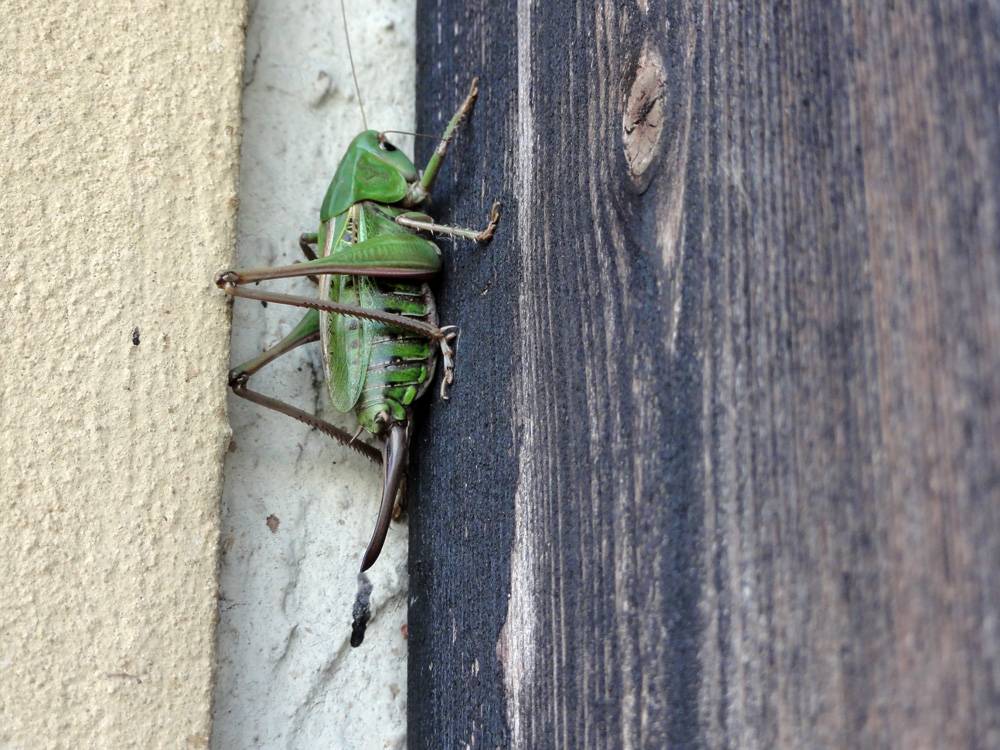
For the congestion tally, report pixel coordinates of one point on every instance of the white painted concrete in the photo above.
(287, 676)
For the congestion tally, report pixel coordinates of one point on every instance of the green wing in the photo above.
(350, 342)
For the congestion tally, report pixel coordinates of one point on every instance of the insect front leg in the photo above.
(434, 163)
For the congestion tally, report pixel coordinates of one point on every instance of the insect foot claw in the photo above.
(487, 234)
(448, 335)
(226, 279)
(470, 98)
(238, 379)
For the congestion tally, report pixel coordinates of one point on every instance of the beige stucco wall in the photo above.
(119, 126)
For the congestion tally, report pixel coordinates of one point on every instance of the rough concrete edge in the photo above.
(222, 448)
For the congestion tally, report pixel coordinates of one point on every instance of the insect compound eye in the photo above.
(385, 145)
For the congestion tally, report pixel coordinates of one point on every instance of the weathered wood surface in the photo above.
(722, 465)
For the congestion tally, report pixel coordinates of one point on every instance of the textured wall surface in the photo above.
(298, 509)
(118, 152)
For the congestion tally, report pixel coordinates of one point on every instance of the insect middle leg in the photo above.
(306, 241)
(421, 222)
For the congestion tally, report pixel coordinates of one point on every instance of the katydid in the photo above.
(374, 313)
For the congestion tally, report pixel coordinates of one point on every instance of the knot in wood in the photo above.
(643, 119)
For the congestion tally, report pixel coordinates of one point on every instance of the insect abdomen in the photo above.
(402, 363)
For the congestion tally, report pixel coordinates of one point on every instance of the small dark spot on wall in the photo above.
(273, 522)
(135, 336)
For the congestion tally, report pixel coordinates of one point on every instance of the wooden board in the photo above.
(721, 467)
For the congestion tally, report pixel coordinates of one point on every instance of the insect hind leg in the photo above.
(306, 332)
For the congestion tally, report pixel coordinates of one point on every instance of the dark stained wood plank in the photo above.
(722, 466)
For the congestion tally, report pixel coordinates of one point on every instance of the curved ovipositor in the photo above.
(394, 454)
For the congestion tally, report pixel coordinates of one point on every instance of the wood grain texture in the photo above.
(722, 467)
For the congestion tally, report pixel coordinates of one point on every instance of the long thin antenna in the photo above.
(354, 73)
(410, 132)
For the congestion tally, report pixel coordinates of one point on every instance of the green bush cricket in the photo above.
(374, 313)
